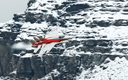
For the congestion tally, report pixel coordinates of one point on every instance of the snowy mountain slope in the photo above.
(101, 40)
(110, 69)
(96, 20)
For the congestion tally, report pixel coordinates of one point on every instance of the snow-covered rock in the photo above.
(100, 27)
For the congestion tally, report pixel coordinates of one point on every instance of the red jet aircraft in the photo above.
(46, 44)
(41, 41)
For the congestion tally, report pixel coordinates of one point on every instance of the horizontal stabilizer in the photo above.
(34, 46)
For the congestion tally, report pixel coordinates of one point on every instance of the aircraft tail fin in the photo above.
(40, 37)
(36, 39)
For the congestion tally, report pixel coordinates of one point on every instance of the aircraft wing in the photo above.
(52, 34)
(45, 49)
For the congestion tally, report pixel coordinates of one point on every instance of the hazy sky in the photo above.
(10, 7)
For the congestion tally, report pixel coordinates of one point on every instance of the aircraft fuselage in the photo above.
(48, 41)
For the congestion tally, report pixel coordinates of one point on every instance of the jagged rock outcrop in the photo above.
(5, 57)
(100, 33)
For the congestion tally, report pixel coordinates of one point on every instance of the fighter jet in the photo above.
(46, 44)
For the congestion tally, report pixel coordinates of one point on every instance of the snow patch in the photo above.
(113, 70)
(27, 55)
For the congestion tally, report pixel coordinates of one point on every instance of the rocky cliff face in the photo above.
(100, 28)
